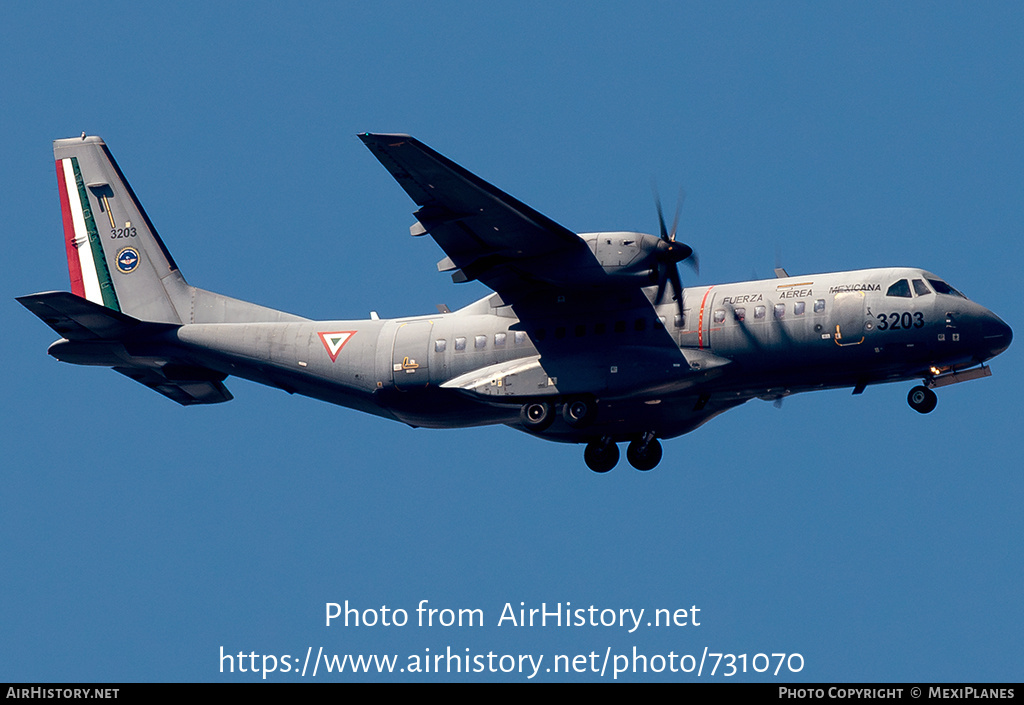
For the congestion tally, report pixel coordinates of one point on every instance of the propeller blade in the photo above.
(694, 262)
(666, 234)
(670, 253)
(679, 208)
(677, 288)
(662, 281)
(661, 216)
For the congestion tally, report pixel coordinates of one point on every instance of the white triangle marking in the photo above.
(334, 341)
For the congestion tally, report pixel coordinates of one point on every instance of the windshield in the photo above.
(942, 287)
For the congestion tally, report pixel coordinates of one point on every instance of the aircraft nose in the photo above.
(995, 334)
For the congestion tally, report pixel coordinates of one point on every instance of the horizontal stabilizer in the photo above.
(96, 335)
(185, 392)
(75, 318)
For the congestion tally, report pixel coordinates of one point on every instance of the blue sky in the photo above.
(140, 537)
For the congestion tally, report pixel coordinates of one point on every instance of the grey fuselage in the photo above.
(647, 367)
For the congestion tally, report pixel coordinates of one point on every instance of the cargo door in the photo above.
(410, 354)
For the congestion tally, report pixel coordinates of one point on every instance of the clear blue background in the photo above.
(137, 537)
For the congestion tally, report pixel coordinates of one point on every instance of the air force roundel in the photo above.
(335, 341)
(127, 259)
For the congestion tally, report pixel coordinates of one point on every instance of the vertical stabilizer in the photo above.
(115, 257)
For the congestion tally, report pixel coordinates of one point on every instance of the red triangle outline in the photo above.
(323, 339)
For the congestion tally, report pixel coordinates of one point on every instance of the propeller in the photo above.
(670, 253)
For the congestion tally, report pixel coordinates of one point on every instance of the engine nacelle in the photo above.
(626, 255)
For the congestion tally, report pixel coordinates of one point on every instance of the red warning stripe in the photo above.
(700, 319)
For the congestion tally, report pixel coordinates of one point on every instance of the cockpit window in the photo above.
(920, 288)
(900, 288)
(944, 288)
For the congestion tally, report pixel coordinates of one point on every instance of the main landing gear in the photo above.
(601, 455)
(643, 453)
(922, 400)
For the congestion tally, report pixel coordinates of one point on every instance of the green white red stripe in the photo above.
(87, 267)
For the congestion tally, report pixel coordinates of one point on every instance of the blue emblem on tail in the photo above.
(128, 259)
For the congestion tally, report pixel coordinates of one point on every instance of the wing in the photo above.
(549, 276)
(487, 234)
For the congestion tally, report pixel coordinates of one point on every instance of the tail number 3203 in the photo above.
(900, 321)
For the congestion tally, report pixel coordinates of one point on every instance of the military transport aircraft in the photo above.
(580, 341)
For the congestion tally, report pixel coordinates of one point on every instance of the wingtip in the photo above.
(378, 137)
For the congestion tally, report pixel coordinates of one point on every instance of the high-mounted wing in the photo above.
(549, 276)
(486, 233)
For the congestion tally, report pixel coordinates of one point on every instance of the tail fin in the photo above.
(115, 257)
(127, 293)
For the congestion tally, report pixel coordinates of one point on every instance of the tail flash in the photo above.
(115, 257)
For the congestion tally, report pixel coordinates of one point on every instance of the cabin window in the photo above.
(440, 345)
(640, 325)
(499, 340)
(460, 343)
(560, 332)
(759, 311)
(620, 326)
(900, 288)
(580, 330)
(819, 306)
(600, 328)
(920, 288)
(740, 314)
(520, 337)
(798, 308)
(480, 342)
(780, 310)
(719, 315)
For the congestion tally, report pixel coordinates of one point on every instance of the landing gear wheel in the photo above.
(601, 456)
(536, 416)
(644, 455)
(922, 400)
(578, 412)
